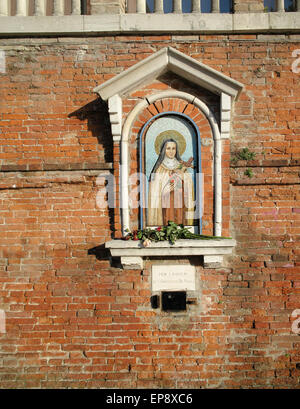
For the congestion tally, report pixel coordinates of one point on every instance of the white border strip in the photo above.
(192, 23)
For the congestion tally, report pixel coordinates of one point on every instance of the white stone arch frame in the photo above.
(124, 166)
(200, 75)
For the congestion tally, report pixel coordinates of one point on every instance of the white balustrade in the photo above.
(76, 7)
(280, 6)
(21, 8)
(141, 6)
(158, 6)
(58, 8)
(196, 6)
(215, 6)
(4, 8)
(39, 8)
(177, 6)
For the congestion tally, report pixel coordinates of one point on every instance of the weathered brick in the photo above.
(73, 320)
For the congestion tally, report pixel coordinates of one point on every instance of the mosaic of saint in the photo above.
(171, 188)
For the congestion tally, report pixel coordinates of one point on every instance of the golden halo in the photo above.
(170, 134)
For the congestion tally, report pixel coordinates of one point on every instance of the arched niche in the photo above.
(181, 128)
(116, 91)
(130, 124)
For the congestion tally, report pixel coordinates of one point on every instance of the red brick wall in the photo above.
(74, 320)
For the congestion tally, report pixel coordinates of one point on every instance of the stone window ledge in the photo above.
(132, 252)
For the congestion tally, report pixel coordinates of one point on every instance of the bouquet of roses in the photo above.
(170, 232)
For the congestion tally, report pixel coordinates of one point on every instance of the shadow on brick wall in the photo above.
(97, 117)
(98, 123)
(101, 253)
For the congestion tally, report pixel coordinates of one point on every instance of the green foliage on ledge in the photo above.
(171, 232)
(246, 155)
(248, 172)
(243, 154)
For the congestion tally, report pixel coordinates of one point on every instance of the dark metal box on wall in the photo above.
(173, 300)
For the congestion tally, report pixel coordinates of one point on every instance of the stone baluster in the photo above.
(196, 6)
(298, 5)
(251, 6)
(39, 8)
(158, 6)
(141, 6)
(4, 9)
(21, 8)
(280, 6)
(76, 7)
(177, 6)
(58, 8)
(111, 6)
(215, 6)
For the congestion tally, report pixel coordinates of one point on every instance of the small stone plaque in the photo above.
(173, 277)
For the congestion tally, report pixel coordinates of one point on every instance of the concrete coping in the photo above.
(191, 23)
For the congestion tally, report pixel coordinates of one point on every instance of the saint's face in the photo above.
(171, 150)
